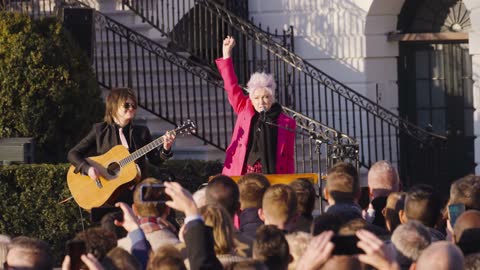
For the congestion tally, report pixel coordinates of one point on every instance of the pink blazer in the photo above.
(242, 106)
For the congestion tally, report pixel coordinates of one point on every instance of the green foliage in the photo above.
(29, 204)
(47, 87)
(30, 196)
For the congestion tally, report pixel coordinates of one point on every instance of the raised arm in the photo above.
(225, 66)
(228, 44)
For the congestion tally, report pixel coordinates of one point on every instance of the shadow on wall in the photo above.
(328, 33)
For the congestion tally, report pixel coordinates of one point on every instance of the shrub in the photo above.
(47, 87)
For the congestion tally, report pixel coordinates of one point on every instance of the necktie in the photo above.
(122, 138)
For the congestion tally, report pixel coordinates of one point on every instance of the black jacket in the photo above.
(104, 136)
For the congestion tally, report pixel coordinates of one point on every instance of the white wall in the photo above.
(348, 39)
(344, 38)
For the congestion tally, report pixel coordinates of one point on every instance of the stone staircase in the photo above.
(186, 147)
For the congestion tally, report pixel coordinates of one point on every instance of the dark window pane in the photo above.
(468, 122)
(438, 121)
(438, 93)
(423, 118)
(423, 93)
(422, 64)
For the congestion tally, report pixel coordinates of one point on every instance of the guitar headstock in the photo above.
(188, 127)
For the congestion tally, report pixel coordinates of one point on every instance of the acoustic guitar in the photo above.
(117, 168)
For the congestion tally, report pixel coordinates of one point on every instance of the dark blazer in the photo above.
(199, 243)
(104, 136)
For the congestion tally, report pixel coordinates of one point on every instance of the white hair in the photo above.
(382, 175)
(411, 239)
(261, 80)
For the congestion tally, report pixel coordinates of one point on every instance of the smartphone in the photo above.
(75, 249)
(454, 211)
(153, 193)
(97, 213)
(346, 245)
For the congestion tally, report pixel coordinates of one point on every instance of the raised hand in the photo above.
(317, 253)
(129, 222)
(228, 44)
(182, 199)
(377, 253)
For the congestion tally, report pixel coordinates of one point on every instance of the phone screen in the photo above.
(346, 245)
(454, 211)
(75, 249)
(153, 193)
(97, 213)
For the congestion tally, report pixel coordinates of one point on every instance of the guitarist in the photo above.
(117, 128)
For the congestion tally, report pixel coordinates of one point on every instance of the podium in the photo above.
(286, 178)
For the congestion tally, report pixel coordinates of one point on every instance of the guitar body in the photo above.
(87, 193)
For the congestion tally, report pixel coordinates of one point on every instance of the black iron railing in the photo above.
(176, 88)
(195, 28)
(34, 8)
(163, 81)
(301, 86)
(306, 89)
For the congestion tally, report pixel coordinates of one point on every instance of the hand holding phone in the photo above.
(454, 211)
(345, 245)
(153, 193)
(75, 249)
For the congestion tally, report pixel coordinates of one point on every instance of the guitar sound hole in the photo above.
(113, 169)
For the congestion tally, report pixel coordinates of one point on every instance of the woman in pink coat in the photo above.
(256, 144)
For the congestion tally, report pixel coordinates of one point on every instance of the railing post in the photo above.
(129, 65)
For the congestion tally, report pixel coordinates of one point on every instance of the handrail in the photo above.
(193, 29)
(307, 68)
(108, 29)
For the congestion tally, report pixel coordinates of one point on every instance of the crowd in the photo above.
(251, 224)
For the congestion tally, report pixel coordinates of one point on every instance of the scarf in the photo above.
(262, 140)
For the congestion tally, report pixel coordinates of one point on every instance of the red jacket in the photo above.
(242, 106)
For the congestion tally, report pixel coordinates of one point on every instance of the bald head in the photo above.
(441, 255)
(382, 179)
(466, 231)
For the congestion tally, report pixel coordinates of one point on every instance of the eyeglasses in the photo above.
(128, 105)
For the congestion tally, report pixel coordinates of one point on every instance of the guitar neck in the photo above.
(143, 151)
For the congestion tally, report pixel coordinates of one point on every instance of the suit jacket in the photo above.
(199, 243)
(242, 106)
(102, 137)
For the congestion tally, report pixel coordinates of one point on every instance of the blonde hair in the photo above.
(166, 258)
(279, 203)
(260, 80)
(116, 98)
(220, 220)
(252, 186)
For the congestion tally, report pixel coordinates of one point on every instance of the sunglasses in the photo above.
(128, 105)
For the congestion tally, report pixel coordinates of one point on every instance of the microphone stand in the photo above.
(319, 140)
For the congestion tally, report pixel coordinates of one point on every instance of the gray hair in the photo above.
(260, 80)
(411, 239)
(382, 175)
